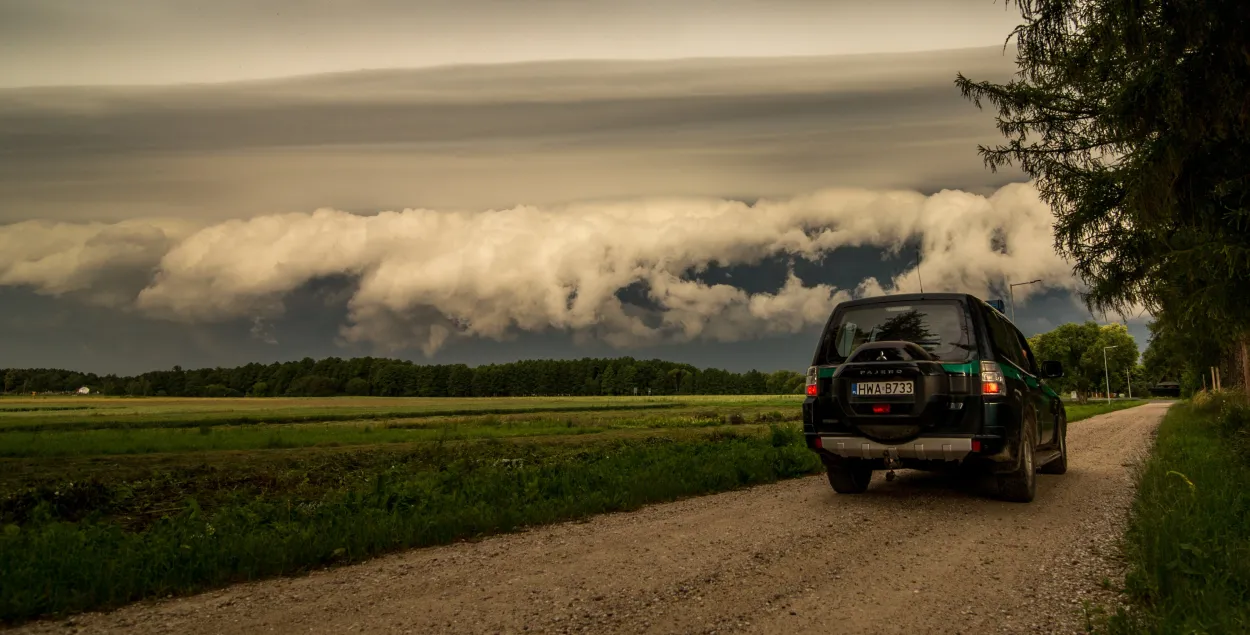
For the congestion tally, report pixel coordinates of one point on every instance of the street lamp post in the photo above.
(1011, 293)
(1106, 371)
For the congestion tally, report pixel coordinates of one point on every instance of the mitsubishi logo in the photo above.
(881, 356)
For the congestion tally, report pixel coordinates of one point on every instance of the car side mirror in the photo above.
(1052, 369)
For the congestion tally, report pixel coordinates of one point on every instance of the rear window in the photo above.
(938, 327)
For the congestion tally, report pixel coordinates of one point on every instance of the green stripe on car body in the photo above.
(1011, 372)
(966, 368)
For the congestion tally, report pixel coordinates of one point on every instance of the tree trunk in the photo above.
(1245, 364)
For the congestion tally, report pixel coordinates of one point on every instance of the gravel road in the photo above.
(922, 554)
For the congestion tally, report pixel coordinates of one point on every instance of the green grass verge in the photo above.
(1188, 541)
(72, 552)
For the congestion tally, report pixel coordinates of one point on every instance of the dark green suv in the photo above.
(932, 381)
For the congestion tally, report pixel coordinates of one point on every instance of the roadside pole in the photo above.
(1106, 372)
(1012, 295)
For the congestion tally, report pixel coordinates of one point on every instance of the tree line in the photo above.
(399, 378)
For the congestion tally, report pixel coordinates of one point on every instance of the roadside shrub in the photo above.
(782, 436)
(1215, 401)
(1234, 421)
(72, 501)
(1229, 413)
(718, 436)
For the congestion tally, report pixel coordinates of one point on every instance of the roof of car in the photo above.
(910, 297)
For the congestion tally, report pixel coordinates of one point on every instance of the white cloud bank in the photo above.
(101, 262)
(426, 276)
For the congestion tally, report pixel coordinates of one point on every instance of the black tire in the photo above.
(1020, 485)
(849, 479)
(1059, 465)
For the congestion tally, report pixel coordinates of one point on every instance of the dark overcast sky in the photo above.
(536, 134)
(174, 41)
(147, 219)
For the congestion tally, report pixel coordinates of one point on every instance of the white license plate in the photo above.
(865, 388)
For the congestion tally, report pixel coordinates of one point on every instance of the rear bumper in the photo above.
(922, 449)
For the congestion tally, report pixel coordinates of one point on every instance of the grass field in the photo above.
(45, 428)
(123, 413)
(104, 500)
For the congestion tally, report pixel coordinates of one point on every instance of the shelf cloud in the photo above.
(570, 205)
(422, 276)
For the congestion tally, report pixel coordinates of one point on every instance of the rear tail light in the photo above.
(811, 381)
(881, 409)
(992, 379)
(976, 445)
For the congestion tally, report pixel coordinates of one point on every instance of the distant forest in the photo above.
(397, 378)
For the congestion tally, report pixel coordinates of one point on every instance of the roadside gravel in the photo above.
(922, 554)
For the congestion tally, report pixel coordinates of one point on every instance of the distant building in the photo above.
(1166, 389)
(84, 391)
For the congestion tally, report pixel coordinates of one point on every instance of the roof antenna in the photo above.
(918, 270)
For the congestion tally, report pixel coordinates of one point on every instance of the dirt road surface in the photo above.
(922, 554)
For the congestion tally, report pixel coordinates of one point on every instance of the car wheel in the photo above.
(1020, 485)
(1059, 465)
(849, 479)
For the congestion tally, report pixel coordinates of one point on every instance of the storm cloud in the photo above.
(681, 208)
(421, 277)
(187, 41)
(481, 137)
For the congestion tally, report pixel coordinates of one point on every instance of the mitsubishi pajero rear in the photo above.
(932, 381)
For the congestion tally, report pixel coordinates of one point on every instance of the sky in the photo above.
(58, 42)
(214, 184)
